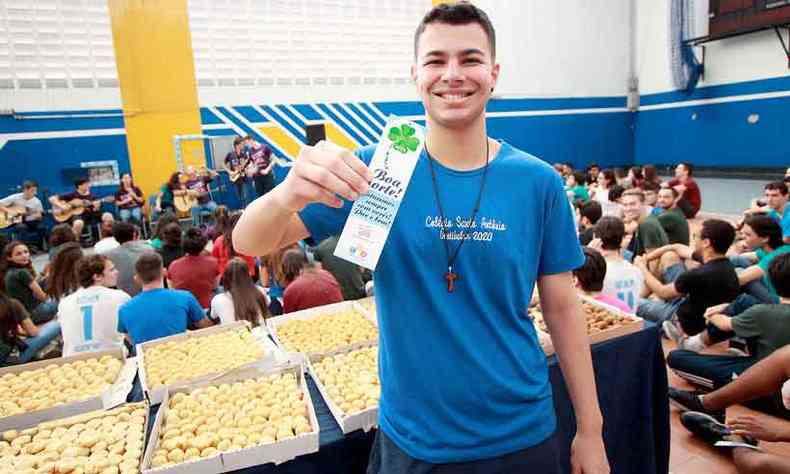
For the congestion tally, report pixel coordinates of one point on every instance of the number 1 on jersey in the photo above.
(87, 322)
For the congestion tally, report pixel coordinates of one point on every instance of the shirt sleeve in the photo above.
(560, 249)
(686, 281)
(121, 325)
(18, 311)
(746, 324)
(194, 311)
(7, 201)
(653, 235)
(24, 277)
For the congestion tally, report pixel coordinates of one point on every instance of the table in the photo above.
(632, 389)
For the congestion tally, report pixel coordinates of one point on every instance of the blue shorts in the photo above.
(659, 311)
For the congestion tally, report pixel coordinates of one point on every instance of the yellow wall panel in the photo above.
(153, 53)
(335, 135)
(276, 135)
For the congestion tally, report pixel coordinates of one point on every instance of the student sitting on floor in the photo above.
(589, 278)
(672, 219)
(242, 299)
(307, 285)
(762, 381)
(15, 321)
(195, 272)
(763, 236)
(589, 213)
(623, 280)
(765, 326)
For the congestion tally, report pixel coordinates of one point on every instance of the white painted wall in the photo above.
(743, 58)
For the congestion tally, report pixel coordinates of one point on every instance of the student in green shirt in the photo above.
(763, 235)
(646, 230)
(672, 218)
(575, 188)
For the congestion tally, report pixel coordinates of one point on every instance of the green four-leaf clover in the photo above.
(403, 138)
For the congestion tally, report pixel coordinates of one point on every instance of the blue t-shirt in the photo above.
(783, 220)
(158, 313)
(463, 376)
(765, 264)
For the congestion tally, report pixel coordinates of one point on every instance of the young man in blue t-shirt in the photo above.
(464, 379)
(156, 311)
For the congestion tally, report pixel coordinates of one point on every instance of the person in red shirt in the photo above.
(690, 199)
(307, 286)
(195, 272)
(223, 249)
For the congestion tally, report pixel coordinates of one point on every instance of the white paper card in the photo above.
(369, 223)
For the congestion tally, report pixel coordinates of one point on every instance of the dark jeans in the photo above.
(543, 458)
(32, 232)
(264, 183)
(243, 191)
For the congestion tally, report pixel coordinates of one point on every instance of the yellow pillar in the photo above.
(153, 53)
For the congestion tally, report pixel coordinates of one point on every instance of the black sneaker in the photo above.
(710, 430)
(690, 401)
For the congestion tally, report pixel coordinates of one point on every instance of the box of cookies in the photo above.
(197, 355)
(55, 388)
(349, 382)
(95, 441)
(324, 330)
(250, 417)
(603, 322)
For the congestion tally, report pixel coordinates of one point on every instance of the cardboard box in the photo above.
(155, 396)
(367, 305)
(634, 324)
(277, 452)
(113, 395)
(362, 420)
(307, 314)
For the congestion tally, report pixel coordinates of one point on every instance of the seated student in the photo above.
(195, 272)
(651, 197)
(19, 281)
(81, 196)
(589, 279)
(672, 219)
(156, 311)
(686, 294)
(575, 188)
(763, 236)
(765, 326)
(15, 321)
(199, 185)
(107, 241)
(647, 233)
(89, 316)
(30, 229)
(762, 381)
(307, 286)
(223, 249)
(165, 220)
(61, 279)
(775, 205)
(125, 256)
(623, 280)
(242, 299)
(348, 275)
(589, 213)
(690, 200)
(172, 246)
(61, 234)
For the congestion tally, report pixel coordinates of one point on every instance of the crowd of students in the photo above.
(705, 282)
(125, 290)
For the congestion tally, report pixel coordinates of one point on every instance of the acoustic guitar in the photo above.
(11, 215)
(184, 203)
(240, 171)
(77, 207)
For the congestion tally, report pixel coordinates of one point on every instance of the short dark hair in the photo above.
(578, 176)
(591, 210)
(616, 192)
(194, 241)
(611, 230)
(720, 233)
(777, 186)
(650, 186)
(766, 226)
(460, 13)
(61, 234)
(689, 167)
(171, 234)
(294, 260)
(609, 176)
(592, 273)
(779, 273)
(123, 232)
(89, 266)
(148, 267)
(237, 141)
(80, 181)
(29, 184)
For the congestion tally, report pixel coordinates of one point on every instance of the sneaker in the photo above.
(690, 401)
(672, 331)
(693, 343)
(710, 430)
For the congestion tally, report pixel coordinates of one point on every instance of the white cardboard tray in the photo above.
(274, 323)
(277, 452)
(112, 396)
(362, 420)
(155, 396)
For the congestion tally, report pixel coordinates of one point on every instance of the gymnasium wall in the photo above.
(744, 76)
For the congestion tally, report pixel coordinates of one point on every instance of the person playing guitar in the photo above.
(79, 207)
(262, 165)
(199, 186)
(236, 163)
(174, 187)
(23, 213)
(129, 200)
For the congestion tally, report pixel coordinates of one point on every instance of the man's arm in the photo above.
(665, 292)
(562, 313)
(750, 274)
(57, 202)
(721, 321)
(683, 251)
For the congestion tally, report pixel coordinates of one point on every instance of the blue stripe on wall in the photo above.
(250, 114)
(70, 112)
(287, 112)
(725, 90)
(373, 125)
(373, 114)
(527, 104)
(342, 125)
(299, 134)
(12, 125)
(308, 112)
(371, 137)
(247, 130)
(400, 108)
(207, 117)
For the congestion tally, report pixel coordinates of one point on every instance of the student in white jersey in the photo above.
(89, 316)
(623, 280)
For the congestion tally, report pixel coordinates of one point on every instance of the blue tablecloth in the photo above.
(632, 390)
